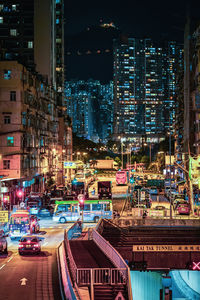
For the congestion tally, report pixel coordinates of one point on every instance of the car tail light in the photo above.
(28, 241)
(20, 245)
(35, 245)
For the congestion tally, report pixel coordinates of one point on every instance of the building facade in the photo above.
(144, 88)
(29, 126)
(32, 43)
(90, 106)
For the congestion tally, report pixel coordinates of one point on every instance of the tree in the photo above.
(118, 161)
(108, 157)
(145, 159)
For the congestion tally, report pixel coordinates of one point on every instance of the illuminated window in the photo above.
(13, 32)
(30, 44)
(14, 7)
(1, 20)
(12, 95)
(7, 74)
(10, 141)
(6, 164)
(7, 120)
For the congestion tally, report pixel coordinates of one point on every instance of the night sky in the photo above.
(155, 19)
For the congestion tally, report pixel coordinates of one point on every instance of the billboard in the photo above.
(69, 165)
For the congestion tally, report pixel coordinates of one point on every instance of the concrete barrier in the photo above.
(68, 291)
(133, 221)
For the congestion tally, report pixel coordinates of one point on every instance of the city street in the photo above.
(34, 276)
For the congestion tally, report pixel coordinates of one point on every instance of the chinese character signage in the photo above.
(3, 216)
(166, 248)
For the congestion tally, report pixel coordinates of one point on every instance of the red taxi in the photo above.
(29, 244)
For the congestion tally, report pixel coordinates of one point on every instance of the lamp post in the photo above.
(77, 155)
(170, 162)
(122, 156)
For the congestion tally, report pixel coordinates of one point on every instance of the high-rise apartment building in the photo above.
(144, 88)
(90, 105)
(32, 32)
(32, 35)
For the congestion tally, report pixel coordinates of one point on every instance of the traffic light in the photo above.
(6, 199)
(81, 204)
(81, 200)
(20, 193)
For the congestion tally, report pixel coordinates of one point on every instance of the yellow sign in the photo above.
(166, 248)
(3, 216)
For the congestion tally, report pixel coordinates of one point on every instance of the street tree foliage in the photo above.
(118, 161)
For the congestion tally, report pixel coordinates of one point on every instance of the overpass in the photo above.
(114, 261)
(91, 268)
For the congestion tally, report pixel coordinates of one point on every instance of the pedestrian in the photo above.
(144, 214)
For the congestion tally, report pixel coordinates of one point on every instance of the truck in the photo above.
(104, 189)
(105, 164)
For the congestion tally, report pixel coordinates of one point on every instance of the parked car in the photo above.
(153, 191)
(183, 208)
(29, 244)
(143, 206)
(178, 201)
(159, 207)
(44, 212)
(3, 242)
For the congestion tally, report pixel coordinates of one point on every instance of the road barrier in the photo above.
(67, 287)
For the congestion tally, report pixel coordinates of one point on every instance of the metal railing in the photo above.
(111, 253)
(70, 259)
(101, 276)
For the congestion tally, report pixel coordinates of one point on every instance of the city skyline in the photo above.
(153, 20)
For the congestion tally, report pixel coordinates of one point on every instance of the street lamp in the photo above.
(170, 163)
(77, 154)
(149, 144)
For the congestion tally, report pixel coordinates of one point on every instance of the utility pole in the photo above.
(170, 163)
(190, 187)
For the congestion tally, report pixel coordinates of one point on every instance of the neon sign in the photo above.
(196, 266)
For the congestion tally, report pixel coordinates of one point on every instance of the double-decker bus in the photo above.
(69, 211)
(121, 177)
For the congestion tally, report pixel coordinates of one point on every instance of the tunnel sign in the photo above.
(3, 216)
(166, 248)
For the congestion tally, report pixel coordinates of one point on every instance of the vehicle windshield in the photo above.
(19, 220)
(31, 239)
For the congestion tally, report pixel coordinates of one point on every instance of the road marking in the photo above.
(23, 281)
(2, 266)
(10, 258)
